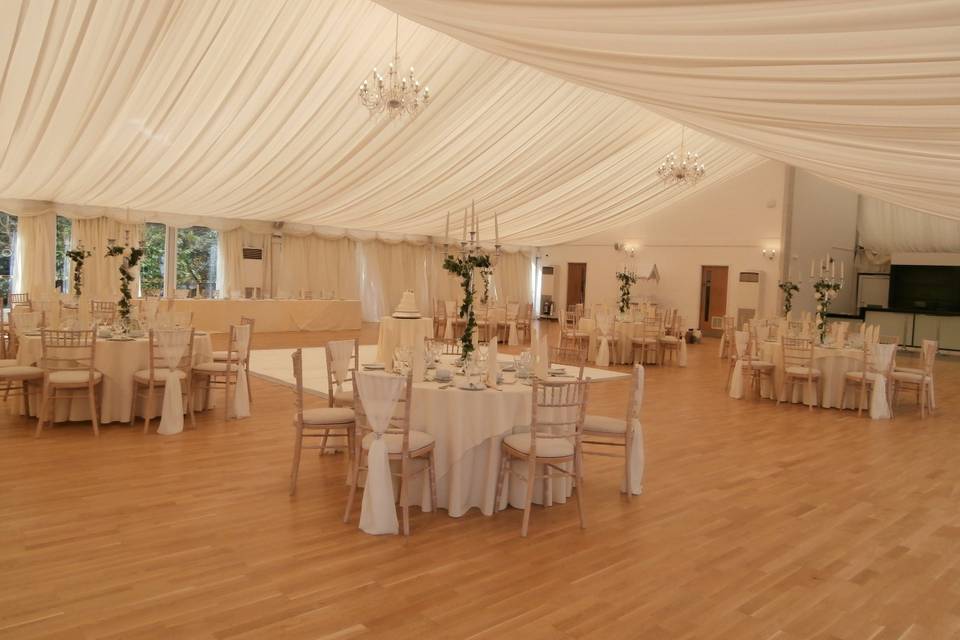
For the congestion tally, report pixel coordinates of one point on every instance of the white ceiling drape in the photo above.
(247, 110)
(864, 93)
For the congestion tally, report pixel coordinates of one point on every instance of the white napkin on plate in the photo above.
(543, 357)
(493, 367)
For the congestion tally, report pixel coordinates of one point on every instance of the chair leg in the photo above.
(547, 487)
(433, 483)
(133, 403)
(578, 475)
(323, 442)
(189, 401)
(92, 397)
(44, 400)
(501, 474)
(404, 502)
(249, 387)
(627, 448)
(843, 395)
(295, 470)
(527, 505)
(353, 484)
(863, 395)
(149, 409)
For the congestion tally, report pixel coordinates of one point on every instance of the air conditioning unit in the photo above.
(748, 296)
(252, 269)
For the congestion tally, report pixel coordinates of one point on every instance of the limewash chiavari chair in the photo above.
(404, 445)
(919, 380)
(103, 312)
(169, 319)
(225, 374)
(20, 300)
(11, 372)
(669, 341)
(446, 347)
(311, 424)
(147, 381)
(68, 362)
(615, 432)
(524, 322)
(555, 438)
(337, 395)
(727, 337)
(751, 366)
(221, 356)
(798, 367)
(20, 323)
(866, 378)
(439, 317)
(574, 355)
(648, 341)
(570, 334)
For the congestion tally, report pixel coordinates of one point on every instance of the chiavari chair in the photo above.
(221, 356)
(69, 364)
(752, 367)
(404, 445)
(319, 423)
(574, 355)
(103, 312)
(865, 379)
(524, 322)
(671, 338)
(439, 317)
(727, 343)
(225, 374)
(917, 379)
(613, 432)
(147, 381)
(20, 300)
(798, 367)
(648, 341)
(555, 439)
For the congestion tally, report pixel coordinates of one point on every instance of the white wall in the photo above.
(727, 224)
(823, 219)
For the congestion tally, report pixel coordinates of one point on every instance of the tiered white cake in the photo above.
(407, 307)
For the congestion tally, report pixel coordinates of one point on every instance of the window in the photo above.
(64, 231)
(197, 261)
(8, 240)
(154, 258)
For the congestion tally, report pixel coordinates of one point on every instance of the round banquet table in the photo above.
(833, 363)
(468, 427)
(621, 341)
(401, 332)
(117, 360)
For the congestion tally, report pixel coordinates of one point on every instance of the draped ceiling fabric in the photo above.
(864, 93)
(247, 110)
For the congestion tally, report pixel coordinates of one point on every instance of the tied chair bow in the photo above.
(604, 329)
(379, 395)
(174, 345)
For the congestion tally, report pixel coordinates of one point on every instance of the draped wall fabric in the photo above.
(101, 275)
(319, 265)
(248, 110)
(864, 93)
(387, 270)
(35, 257)
(230, 263)
(885, 229)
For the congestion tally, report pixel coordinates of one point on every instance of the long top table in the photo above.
(274, 315)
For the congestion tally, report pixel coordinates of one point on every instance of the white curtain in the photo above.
(101, 276)
(387, 270)
(35, 267)
(886, 228)
(230, 263)
(318, 264)
(512, 278)
(247, 111)
(864, 93)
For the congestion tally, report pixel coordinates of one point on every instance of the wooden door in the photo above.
(576, 283)
(713, 297)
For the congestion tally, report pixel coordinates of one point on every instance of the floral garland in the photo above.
(627, 279)
(825, 291)
(789, 288)
(464, 267)
(485, 275)
(78, 256)
(131, 256)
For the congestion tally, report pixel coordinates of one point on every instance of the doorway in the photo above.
(576, 283)
(713, 298)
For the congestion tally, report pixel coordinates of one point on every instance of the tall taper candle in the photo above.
(811, 267)
(464, 224)
(496, 229)
(446, 232)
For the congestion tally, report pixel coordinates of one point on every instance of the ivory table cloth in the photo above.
(274, 315)
(117, 361)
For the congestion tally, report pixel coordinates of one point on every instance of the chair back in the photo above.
(568, 321)
(103, 311)
(238, 348)
(558, 411)
(797, 352)
(174, 319)
(928, 354)
(513, 311)
(440, 309)
(306, 294)
(68, 350)
(651, 327)
(447, 347)
(23, 321)
(874, 363)
(297, 358)
(400, 417)
(572, 355)
(343, 360)
(170, 349)
(20, 300)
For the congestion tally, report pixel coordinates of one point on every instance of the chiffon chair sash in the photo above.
(451, 308)
(604, 328)
(173, 319)
(882, 354)
(173, 345)
(636, 453)
(25, 320)
(379, 395)
(241, 398)
(340, 354)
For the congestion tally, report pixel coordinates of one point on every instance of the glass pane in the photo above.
(8, 239)
(154, 256)
(64, 231)
(197, 261)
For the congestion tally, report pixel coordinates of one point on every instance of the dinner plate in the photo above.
(471, 386)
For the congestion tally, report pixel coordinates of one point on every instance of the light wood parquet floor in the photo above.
(756, 522)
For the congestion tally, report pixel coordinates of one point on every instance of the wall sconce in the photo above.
(769, 254)
(628, 248)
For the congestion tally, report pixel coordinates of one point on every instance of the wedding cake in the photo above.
(407, 307)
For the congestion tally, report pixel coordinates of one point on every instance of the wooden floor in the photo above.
(757, 521)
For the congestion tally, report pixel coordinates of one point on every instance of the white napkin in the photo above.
(543, 358)
(493, 367)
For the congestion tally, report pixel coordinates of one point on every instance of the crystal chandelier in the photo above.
(684, 168)
(394, 95)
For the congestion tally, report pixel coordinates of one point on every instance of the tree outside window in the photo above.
(154, 258)
(197, 260)
(8, 240)
(64, 232)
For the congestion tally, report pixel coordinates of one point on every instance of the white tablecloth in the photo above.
(620, 345)
(401, 332)
(117, 361)
(833, 364)
(274, 315)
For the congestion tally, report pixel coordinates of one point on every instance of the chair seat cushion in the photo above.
(670, 339)
(215, 367)
(759, 364)
(159, 375)
(546, 447)
(327, 415)
(603, 424)
(16, 373)
(896, 369)
(872, 376)
(221, 356)
(8, 362)
(73, 377)
(418, 440)
(647, 340)
(802, 371)
(905, 376)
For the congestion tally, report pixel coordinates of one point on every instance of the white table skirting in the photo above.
(117, 361)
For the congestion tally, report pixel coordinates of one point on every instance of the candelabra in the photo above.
(469, 244)
(826, 287)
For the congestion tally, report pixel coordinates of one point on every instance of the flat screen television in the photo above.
(924, 288)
